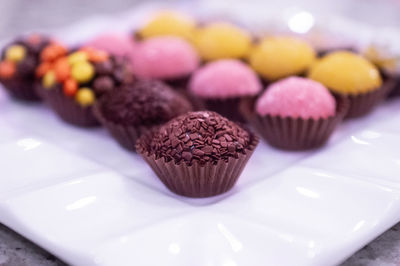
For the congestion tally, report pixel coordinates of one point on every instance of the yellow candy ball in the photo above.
(222, 40)
(85, 97)
(82, 72)
(382, 59)
(169, 23)
(77, 57)
(346, 73)
(15, 53)
(278, 57)
(49, 79)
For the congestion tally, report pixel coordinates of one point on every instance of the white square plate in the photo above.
(76, 193)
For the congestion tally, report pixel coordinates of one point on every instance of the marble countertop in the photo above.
(383, 251)
(16, 250)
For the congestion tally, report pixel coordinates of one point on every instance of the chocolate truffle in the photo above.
(147, 102)
(132, 110)
(18, 64)
(200, 137)
(198, 154)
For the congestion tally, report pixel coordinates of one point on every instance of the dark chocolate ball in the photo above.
(103, 84)
(104, 68)
(118, 68)
(144, 103)
(202, 136)
(122, 75)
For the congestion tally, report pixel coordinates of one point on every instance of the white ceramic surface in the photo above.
(79, 195)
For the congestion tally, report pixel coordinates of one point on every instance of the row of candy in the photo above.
(146, 85)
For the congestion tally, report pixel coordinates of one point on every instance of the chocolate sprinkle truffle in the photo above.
(198, 154)
(18, 63)
(134, 109)
(201, 137)
(147, 102)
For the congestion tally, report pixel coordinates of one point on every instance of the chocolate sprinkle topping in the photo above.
(199, 136)
(145, 103)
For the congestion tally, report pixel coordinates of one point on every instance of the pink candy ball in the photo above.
(115, 44)
(296, 97)
(226, 78)
(165, 58)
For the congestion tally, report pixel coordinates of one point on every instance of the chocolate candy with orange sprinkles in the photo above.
(84, 74)
(18, 64)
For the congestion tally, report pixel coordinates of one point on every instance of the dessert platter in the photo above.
(167, 138)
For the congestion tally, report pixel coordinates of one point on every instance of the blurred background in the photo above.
(18, 16)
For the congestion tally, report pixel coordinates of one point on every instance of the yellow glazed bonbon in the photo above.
(169, 23)
(222, 40)
(346, 73)
(278, 57)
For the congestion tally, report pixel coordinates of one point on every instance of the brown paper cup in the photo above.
(67, 109)
(362, 104)
(126, 136)
(197, 181)
(225, 107)
(395, 92)
(294, 133)
(21, 89)
(180, 85)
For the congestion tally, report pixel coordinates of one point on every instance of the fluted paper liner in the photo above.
(393, 81)
(362, 104)
(395, 91)
(228, 108)
(294, 133)
(67, 109)
(180, 85)
(125, 135)
(197, 181)
(21, 89)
